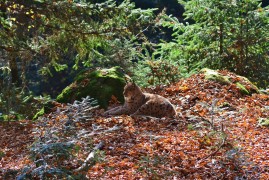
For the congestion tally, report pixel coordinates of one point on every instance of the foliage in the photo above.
(53, 153)
(225, 35)
(16, 102)
(172, 55)
(163, 71)
(103, 33)
(156, 71)
(63, 34)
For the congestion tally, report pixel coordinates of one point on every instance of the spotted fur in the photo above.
(138, 103)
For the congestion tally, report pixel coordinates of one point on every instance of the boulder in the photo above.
(228, 78)
(215, 76)
(100, 84)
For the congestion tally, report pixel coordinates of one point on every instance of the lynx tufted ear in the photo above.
(127, 79)
(130, 81)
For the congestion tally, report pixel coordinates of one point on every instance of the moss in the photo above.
(252, 88)
(242, 83)
(41, 112)
(44, 110)
(242, 88)
(98, 84)
(215, 76)
(63, 97)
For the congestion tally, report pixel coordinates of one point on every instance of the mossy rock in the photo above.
(215, 76)
(100, 84)
(44, 110)
(242, 88)
(227, 78)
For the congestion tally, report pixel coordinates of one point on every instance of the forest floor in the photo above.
(217, 136)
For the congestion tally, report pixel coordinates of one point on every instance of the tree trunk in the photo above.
(14, 69)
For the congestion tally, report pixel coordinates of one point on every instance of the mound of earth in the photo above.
(220, 134)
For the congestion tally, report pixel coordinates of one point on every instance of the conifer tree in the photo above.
(224, 34)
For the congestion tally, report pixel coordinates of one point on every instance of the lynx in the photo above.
(138, 103)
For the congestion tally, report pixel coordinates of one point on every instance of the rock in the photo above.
(100, 84)
(215, 76)
(227, 78)
(264, 91)
(263, 122)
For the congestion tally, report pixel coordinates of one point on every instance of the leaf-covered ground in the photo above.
(216, 136)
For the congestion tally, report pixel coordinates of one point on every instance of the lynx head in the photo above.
(131, 90)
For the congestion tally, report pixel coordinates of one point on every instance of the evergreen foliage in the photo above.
(57, 147)
(226, 34)
(92, 33)
(15, 101)
(53, 33)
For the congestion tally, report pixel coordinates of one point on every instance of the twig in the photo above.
(90, 157)
(212, 111)
(93, 133)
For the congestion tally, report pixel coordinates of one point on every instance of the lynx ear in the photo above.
(128, 80)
